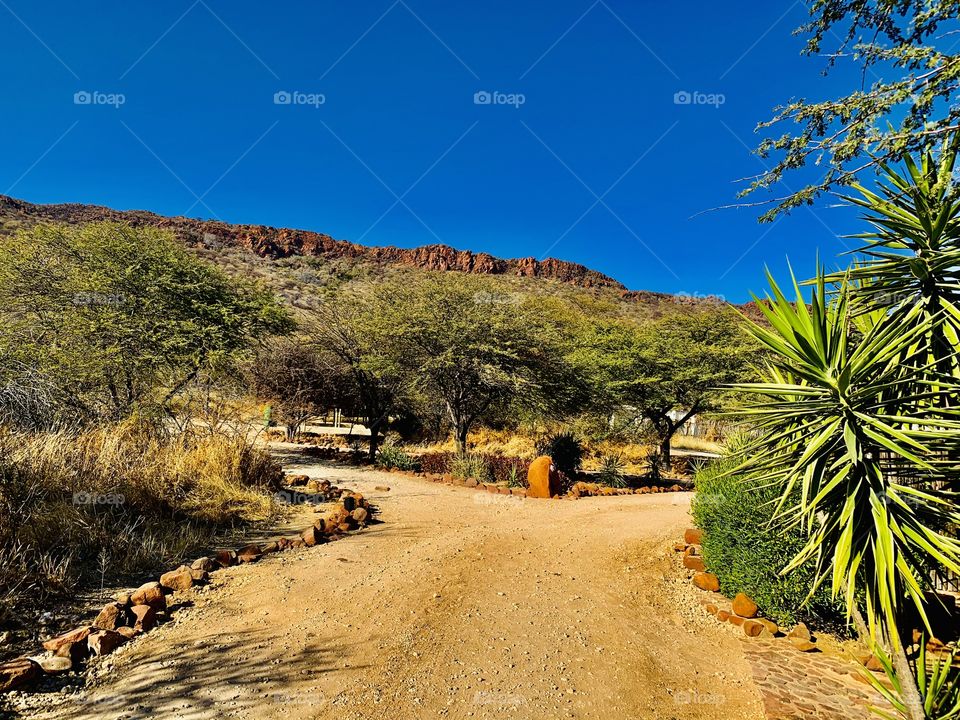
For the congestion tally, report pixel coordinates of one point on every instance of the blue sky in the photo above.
(583, 153)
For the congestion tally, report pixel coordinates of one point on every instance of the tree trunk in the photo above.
(461, 436)
(910, 694)
(374, 440)
(665, 458)
(292, 432)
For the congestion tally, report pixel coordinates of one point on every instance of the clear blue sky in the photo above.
(598, 165)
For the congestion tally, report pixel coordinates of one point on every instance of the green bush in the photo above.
(468, 465)
(393, 456)
(565, 450)
(612, 471)
(747, 554)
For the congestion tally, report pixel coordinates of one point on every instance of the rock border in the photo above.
(133, 613)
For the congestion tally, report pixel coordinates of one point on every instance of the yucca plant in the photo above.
(937, 678)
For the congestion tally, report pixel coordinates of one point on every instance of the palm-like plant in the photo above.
(858, 422)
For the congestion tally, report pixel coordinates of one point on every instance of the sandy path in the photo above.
(461, 604)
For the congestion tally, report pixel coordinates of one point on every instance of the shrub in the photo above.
(747, 554)
(469, 465)
(565, 450)
(509, 470)
(435, 463)
(391, 455)
(612, 471)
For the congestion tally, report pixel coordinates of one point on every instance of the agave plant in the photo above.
(937, 678)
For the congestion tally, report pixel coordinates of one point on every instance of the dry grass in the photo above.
(83, 507)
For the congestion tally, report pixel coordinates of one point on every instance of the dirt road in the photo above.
(461, 605)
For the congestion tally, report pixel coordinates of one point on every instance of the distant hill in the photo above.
(299, 263)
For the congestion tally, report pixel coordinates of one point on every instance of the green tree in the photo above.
(667, 371)
(474, 349)
(113, 317)
(910, 74)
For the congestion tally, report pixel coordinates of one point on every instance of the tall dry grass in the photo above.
(84, 507)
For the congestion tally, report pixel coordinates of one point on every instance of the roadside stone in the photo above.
(543, 480)
(349, 503)
(249, 553)
(723, 615)
(770, 626)
(226, 558)
(518, 491)
(56, 665)
(382, 488)
(799, 632)
(693, 536)
(297, 480)
(694, 562)
(311, 536)
(712, 608)
(360, 515)
(104, 642)
(76, 652)
(752, 628)
(179, 579)
(200, 577)
(744, 606)
(15, 674)
(679, 547)
(78, 635)
(270, 548)
(707, 581)
(128, 632)
(735, 620)
(123, 599)
(207, 564)
(803, 645)
(145, 617)
(112, 616)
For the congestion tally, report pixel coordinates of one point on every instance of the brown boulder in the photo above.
(744, 606)
(225, 558)
(123, 599)
(736, 620)
(360, 515)
(707, 581)
(111, 617)
(693, 536)
(799, 632)
(311, 536)
(128, 632)
(543, 480)
(19, 673)
(104, 642)
(694, 562)
(271, 547)
(770, 626)
(55, 665)
(78, 635)
(76, 652)
(205, 563)
(200, 577)
(145, 617)
(179, 579)
(752, 628)
(297, 480)
(249, 553)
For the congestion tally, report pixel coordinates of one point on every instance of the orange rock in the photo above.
(736, 620)
(543, 481)
(19, 673)
(111, 617)
(723, 615)
(712, 609)
(691, 550)
(78, 635)
(744, 606)
(695, 562)
(311, 536)
(751, 628)
(770, 625)
(680, 547)
(149, 594)
(693, 536)
(707, 581)
(179, 579)
(104, 642)
(799, 632)
(146, 617)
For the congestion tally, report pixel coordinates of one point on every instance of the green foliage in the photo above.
(912, 74)
(393, 456)
(747, 550)
(565, 450)
(103, 319)
(612, 471)
(469, 465)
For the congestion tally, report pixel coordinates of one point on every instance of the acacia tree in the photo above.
(472, 348)
(666, 371)
(910, 75)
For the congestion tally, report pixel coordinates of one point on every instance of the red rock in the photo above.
(693, 536)
(283, 544)
(145, 617)
(270, 548)
(78, 635)
(311, 536)
(744, 606)
(694, 562)
(249, 553)
(111, 617)
(707, 581)
(177, 580)
(543, 480)
(104, 642)
(680, 547)
(19, 673)
(503, 490)
(225, 558)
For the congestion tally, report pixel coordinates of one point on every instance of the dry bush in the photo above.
(102, 504)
